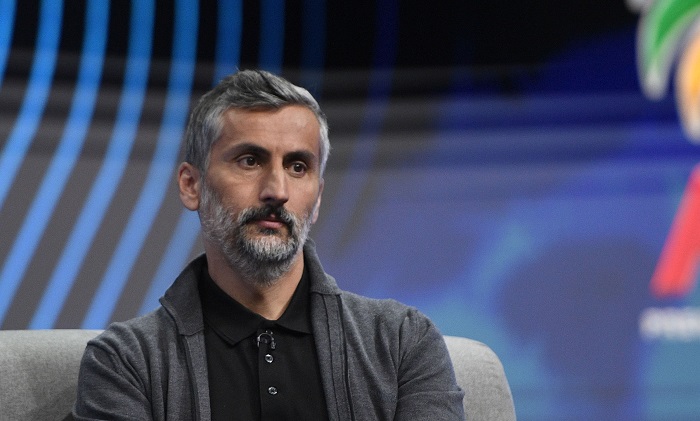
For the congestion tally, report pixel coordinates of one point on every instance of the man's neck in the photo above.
(270, 301)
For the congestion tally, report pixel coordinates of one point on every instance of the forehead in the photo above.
(292, 124)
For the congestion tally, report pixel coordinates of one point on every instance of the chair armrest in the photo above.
(39, 372)
(480, 374)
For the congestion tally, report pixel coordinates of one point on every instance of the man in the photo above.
(254, 328)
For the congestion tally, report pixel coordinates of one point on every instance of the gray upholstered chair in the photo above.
(480, 374)
(39, 371)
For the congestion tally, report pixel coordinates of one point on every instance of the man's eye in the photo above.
(298, 168)
(248, 161)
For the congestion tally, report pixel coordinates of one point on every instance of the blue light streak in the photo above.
(160, 171)
(64, 159)
(111, 172)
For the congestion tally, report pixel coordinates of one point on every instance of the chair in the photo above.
(480, 374)
(39, 374)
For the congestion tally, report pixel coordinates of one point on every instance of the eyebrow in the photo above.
(235, 151)
(247, 148)
(305, 156)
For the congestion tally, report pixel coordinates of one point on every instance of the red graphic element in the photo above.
(677, 269)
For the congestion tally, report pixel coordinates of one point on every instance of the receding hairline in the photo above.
(270, 110)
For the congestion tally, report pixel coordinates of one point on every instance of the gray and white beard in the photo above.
(261, 261)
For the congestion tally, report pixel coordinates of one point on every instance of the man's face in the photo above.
(261, 191)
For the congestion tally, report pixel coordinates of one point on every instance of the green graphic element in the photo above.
(662, 28)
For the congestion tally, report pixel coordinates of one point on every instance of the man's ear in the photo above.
(314, 217)
(189, 181)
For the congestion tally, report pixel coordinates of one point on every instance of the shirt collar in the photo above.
(234, 322)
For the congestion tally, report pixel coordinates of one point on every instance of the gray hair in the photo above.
(249, 90)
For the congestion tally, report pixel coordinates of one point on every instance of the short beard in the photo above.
(261, 261)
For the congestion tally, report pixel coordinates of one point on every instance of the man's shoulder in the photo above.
(380, 311)
(374, 304)
(135, 334)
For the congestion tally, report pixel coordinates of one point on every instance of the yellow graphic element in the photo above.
(688, 88)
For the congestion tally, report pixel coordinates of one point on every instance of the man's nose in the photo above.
(274, 189)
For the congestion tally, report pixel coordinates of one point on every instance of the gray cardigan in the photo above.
(379, 359)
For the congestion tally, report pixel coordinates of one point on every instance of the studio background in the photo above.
(494, 163)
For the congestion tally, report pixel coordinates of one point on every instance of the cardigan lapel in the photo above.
(326, 321)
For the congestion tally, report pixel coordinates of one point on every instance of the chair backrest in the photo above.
(39, 375)
(39, 372)
(480, 374)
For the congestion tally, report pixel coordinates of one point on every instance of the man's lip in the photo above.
(272, 223)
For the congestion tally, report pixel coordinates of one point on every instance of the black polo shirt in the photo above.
(261, 369)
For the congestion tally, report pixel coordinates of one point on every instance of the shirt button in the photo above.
(272, 390)
(269, 358)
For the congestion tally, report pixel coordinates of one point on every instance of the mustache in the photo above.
(280, 213)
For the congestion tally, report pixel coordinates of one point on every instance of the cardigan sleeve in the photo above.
(108, 388)
(427, 387)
